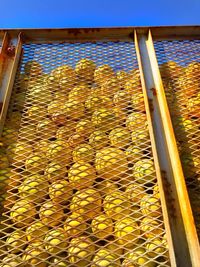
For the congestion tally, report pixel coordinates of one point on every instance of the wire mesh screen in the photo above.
(79, 183)
(180, 69)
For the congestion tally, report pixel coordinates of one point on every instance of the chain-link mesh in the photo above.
(179, 63)
(78, 177)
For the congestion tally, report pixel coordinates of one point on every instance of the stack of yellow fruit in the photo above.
(81, 174)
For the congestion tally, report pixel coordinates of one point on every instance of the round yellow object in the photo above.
(150, 206)
(75, 140)
(150, 227)
(22, 213)
(105, 258)
(144, 171)
(111, 163)
(106, 187)
(135, 192)
(133, 154)
(36, 113)
(60, 151)
(122, 77)
(64, 132)
(79, 94)
(46, 129)
(121, 99)
(81, 175)
(135, 120)
(83, 152)
(156, 191)
(127, 232)
(74, 109)
(16, 241)
(110, 87)
(116, 205)
(59, 262)
(34, 188)
(155, 248)
(60, 191)
(64, 72)
(85, 69)
(97, 101)
(9, 136)
(98, 139)
(55, 171)
(138, 102)
(138, 258)
(114, 248)
(36, 231)
(33, 68)
(80, 251)
(74, 225)
(55, 241)
(103, 73)
(11, 260)
(4, 162)
(36, 163)
(133, 86)
(87, 203)
(102, 226)
(41, 146)
(84, 127)
(51, 214)
(120, 137)
(104, 119)
(140, 138)
(56, 106)
(35, 255)
(38, 95)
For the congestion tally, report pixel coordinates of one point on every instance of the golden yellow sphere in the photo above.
(102, 226)
(150, 227)
(98, 139)
(56, 106)
(36, 231)
(133, 86)
(81, 175)
(80, 251)
(120, 137)
(35, 255)
(65, 132)
(102, 74)
(59, 150)
(104, 119)
(11, 260)
(137, 101)
(74, 225)
(138, 257)
(36, 163)
(133, 154)
(34, 188)
(122, 78)
(144, 171)
(140, 138)
(106, 187)
(135, 192)
(59, 118)
(36, 113)
(156, 191)
(116, 205)
(22, 213)
(75, 140)
(51, 214)
(33, 68)
(46, 129)
(121, 99)
(127, 232)
(41, 146)
(65, 72)
(55, 171)
(110, 87)
(59, 262)
(114, 248)
(150, 206)
(16, 241)
(111, 163)
(67, 82)
(87, 203)
(97, 101)
(85, 127)
(85, 69)
(60, 191)
(155, 247)
(74, 109)
(9, 136)
(83, 152)
(39, 95)
(79, 94)
(105, 258)
(56, 241)
(135, 120)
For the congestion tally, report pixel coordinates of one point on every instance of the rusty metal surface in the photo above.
(79, 186)
(179, 63)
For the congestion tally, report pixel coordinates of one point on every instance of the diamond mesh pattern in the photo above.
(179, 63)
(78, 177)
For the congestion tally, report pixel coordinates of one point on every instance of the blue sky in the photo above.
(96, 13)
